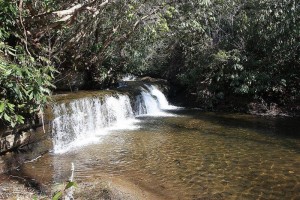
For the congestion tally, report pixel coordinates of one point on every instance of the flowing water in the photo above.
(175, 153)
(82, 121)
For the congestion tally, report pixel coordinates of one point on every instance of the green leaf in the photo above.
(20, 119)
(57, 196)
(21, 106)
(6, 117)
(13, 123)
(8, 72)
(30, 95)
(70, 184)
(11, 106)
(2, 106)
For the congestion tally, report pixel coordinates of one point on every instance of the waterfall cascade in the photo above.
(152, 102)
(82, 121)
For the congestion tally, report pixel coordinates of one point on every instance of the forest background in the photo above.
(230, 54)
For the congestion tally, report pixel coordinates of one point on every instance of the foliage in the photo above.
(25, 81)
(88, 36)
(235, 48)
(212, 48)
(8, 14)
(24, 89)
(58, 195)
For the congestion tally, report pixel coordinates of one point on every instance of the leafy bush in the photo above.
(24, 87)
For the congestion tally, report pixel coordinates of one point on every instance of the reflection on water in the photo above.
(196, 156)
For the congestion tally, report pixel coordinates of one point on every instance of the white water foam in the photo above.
(161, 98)
(82, 121)
(152, 102)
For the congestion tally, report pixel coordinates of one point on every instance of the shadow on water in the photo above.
(222, 154)
(286, 129)
(16, 170)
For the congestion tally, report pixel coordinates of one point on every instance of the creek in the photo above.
(175, 153)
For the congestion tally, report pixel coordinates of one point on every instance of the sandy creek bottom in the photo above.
(193, 155)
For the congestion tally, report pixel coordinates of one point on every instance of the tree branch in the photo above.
(66, 16)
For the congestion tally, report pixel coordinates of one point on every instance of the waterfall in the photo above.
(152, 102)
(83, 121)
(161, 98)
(146, 104)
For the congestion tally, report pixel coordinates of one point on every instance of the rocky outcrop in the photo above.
(23, 138)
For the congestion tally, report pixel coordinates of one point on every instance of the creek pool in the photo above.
(193, 155)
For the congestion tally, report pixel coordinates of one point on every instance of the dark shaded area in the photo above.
(279, 126)
(285, 129)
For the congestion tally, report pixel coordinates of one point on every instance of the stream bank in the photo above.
(105, 188)
(234, 104)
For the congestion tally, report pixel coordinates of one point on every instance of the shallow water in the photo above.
(192, 155)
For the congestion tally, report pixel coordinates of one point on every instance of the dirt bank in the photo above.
(114, 188)
(105, 188)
